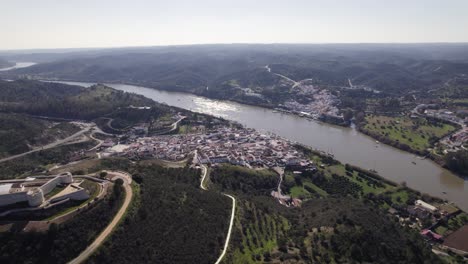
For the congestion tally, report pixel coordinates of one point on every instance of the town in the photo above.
(238, 146)
(320, 104)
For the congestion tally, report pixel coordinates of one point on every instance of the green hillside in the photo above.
(20, 133)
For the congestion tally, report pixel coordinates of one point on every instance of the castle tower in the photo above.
(35, 197)
(66, 178)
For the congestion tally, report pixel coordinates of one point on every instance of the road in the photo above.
(49, 146)
(205, 172)
(96, 139)
(295, 84)
(279, 194)
(108, 230)
(233, 213)
(288, 79)
(176, 123)
(173, 126)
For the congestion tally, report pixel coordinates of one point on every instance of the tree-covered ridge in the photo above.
(66, 101)
(174, 221)
(243, 180)
(40, 161)
(61, 243)
(5, 63)
(393, 69)
(27, 91)
(19, 133)
(335, 228)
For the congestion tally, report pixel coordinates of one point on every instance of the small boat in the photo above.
(377, 142)
(413, 162)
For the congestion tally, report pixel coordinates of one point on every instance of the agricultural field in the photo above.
(417, 134)
(338, 180)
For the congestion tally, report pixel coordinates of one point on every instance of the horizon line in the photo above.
(237, 43)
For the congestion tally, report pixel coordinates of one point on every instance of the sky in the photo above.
(34, 24)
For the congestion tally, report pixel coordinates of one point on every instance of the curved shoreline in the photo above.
(347, 144)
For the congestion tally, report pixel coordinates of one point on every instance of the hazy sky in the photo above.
(110, 23)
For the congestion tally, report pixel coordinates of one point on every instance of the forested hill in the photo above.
(19, 133)
(5, 64)
(395, 69)
(335, 228)
(66, 101)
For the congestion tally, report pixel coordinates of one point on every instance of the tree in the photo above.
(347, 115)
(458, 161)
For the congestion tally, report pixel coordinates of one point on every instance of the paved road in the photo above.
(49, 146)
(96, 139)
(102, 237)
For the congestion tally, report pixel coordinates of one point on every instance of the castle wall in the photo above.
(36, 197)
(50, 185)
(78, 196)
(12, 198)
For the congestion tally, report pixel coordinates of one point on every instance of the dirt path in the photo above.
(233, 213)
(228, 238)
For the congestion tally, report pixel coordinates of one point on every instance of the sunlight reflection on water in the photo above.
(216, 108)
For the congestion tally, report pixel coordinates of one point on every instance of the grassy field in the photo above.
(391, 194)
(416, 133)
(55, 191)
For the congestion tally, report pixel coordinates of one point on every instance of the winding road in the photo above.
(173, 126)
(108, 230)
(205, 172)
(233, 213)
(49, 146)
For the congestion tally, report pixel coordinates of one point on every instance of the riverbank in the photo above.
(320, 118)
(418, 135)
(346, 144)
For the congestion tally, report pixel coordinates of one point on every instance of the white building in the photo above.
(35, 196)
(425, 206)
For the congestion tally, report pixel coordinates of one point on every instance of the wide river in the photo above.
(18, 65)
(348, 145)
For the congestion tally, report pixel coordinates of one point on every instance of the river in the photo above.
(348, 145)
(18, 65)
